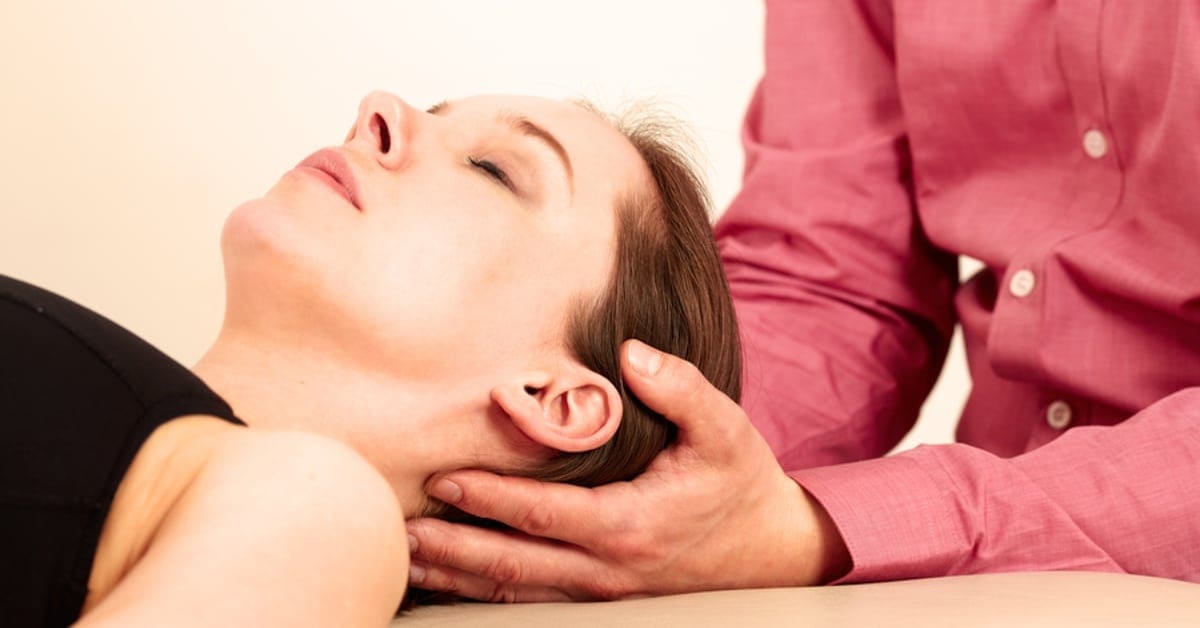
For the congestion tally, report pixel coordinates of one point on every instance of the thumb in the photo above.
(676, 389)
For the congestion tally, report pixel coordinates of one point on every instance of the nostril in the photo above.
(379, 126)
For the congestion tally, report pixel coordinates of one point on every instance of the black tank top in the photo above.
(78, 397)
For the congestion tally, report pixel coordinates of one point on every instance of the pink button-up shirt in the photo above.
(1058, 143)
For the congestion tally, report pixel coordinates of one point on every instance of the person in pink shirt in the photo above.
(1054, 142)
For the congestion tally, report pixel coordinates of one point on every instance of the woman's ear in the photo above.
(572, 410)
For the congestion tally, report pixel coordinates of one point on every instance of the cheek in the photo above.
(457, 296)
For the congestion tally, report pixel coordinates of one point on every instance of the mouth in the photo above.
(332, 168)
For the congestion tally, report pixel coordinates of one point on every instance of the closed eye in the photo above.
(492, 170)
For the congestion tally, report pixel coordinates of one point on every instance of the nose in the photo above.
(383, 129)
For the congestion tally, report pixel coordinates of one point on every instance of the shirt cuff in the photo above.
(898, 516)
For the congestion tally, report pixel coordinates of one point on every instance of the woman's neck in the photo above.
(271, 385)
(278, 385)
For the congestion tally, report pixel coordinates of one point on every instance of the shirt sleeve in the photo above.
(845, 307)
(1115, 498)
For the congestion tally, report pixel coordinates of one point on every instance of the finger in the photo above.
(437, 578)
(559, 511)
(676, 389)
(509, 559)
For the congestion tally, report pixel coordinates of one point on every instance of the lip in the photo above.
(334, 170)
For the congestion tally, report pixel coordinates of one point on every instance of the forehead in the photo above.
(604, 161)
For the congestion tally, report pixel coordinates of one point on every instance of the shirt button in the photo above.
(1095, 144)
(1022, 282)
(1058, 414)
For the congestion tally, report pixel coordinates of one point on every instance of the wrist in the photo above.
(798, 543)
(830, 555)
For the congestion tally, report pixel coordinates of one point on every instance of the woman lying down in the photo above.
(446, 289)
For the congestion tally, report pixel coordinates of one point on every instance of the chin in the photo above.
(287, 230)
(271, 261)
(284, 277)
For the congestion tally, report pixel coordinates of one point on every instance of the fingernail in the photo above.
(416, 573)
(446, 491)
(645, 360)
(413, 543)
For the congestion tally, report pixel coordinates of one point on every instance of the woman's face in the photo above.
(447, 243)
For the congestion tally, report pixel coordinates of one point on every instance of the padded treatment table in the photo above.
(1095, 600)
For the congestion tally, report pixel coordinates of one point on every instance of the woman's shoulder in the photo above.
(165, 465)
(203, 483)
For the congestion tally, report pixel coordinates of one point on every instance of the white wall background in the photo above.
(129, 128)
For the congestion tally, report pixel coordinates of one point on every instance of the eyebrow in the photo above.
(529, 128)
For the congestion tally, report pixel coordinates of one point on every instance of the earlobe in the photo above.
(575, 411)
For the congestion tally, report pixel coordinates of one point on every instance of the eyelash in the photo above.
(492, 170)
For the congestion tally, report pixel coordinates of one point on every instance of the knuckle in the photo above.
(608, 588)
(504, 570)
(640, 544)
(445, 582)
(732, 430)
(627, 540)
(696, 392)
(456, 585)
(502, 593)
(537, 519)
(623, 544)
(688, 378)
(436, 553)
